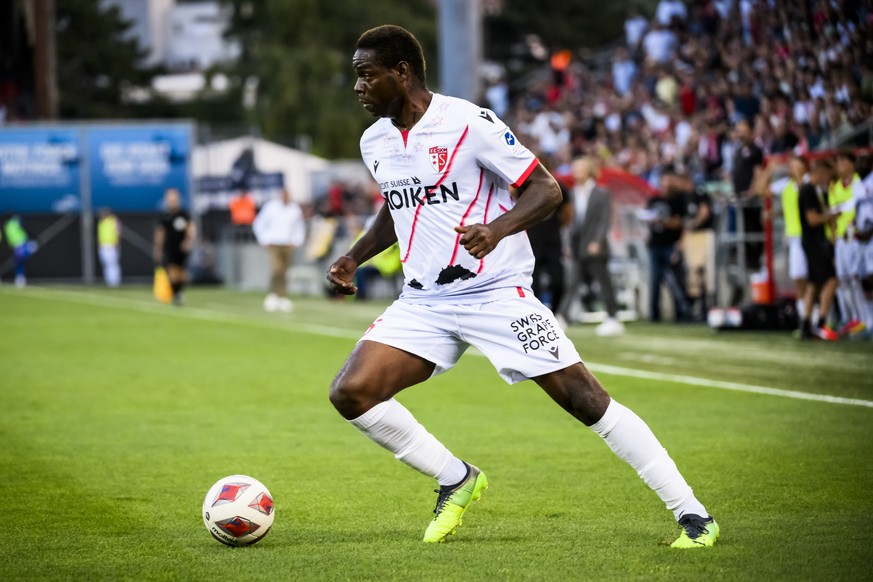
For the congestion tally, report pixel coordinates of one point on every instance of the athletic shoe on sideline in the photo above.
(271, 303)
(697, 532)
(452, 503)
(851, 326)
(825, 333)
(610, 327)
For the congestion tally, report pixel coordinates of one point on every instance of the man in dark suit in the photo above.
(592, 207)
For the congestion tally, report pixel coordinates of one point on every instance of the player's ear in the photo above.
(402, 70)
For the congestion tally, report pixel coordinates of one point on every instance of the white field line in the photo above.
(102, 300)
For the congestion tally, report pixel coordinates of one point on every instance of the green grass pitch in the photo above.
(117, 414)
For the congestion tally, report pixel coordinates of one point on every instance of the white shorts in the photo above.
(864, 262)
(797, 267)
(517, 333)
(846, 258)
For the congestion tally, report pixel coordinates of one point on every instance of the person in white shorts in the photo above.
(788, 189)
(863, 267)
(444, 166)
(843, 195)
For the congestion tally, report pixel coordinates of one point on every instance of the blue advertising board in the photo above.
(40, 169)
(131, 166)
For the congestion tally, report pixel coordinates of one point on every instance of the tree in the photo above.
(558, 24)
(97, 60)
(300, 52)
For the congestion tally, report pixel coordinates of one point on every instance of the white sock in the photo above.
(857, 298)
(633, 441)
(868, 322)
(801, 308)
(392, 426)
(843, 303)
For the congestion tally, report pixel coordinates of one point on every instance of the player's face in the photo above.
(171, 199)
(377, 88)
(821, 176)
(845, 168)
(796, 169)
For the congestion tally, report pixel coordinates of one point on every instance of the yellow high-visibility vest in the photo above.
(838, 194)
(791, 209)
(108, 231)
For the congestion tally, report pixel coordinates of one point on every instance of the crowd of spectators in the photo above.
(704, 91)
(798, 72)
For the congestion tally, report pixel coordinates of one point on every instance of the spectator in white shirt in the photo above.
(280, 227)
(634, 28)
(659, 45)
(623, 72)
(670, 9)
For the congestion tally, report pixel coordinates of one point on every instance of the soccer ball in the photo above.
(238, 510)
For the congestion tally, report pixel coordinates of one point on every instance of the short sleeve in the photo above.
(779, 185)
(807, 200)
(499, 150)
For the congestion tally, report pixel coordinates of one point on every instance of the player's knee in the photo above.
(588, 399)
(348, 394)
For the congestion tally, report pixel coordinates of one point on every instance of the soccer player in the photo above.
(845, 191)
(788, 188)
(814, 217)
(444, 166)
(864, 236)
(174, 236)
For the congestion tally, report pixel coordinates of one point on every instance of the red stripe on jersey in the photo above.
(503, 208)
(404, 133)
(520, 291)
(440, 181)
(530, 168)
(487, 204)
(485, 221)
(464, 218)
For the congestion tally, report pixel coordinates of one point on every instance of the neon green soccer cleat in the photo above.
(452, 503)
(697, 532)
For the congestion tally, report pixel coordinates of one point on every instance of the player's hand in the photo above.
(478, 239)
(341, 275)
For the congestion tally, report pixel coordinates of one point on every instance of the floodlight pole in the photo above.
(460, 48)
(45, 59)
(87, 211)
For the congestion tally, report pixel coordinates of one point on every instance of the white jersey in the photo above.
(452, 168)
(864, 205)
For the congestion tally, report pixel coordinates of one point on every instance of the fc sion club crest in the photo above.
(438, 158)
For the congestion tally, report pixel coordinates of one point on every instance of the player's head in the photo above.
(389, 62)
(172, 199)
(821, 172)
(845, 164)
(670, 180)
(743, 130)
(584, 168)
(797, 168)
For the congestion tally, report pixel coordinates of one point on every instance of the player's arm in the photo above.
(190, 235)
(378, 237)
(673, 223)
(158, 248)
(538, 197)
(816, 215)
